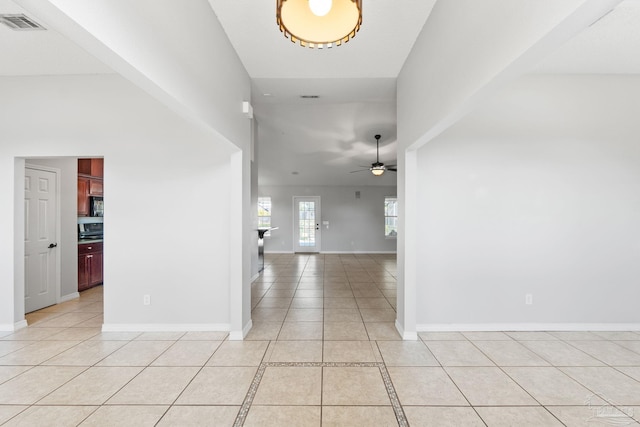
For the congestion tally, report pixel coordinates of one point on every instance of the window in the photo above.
(390, 217)
(264, 213)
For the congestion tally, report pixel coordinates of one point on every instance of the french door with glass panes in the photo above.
(306, 233)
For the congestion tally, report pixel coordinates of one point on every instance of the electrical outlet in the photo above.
(146, 300)
(528, 299)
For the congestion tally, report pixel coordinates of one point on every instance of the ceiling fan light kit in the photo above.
(378, 168)
(319, 23)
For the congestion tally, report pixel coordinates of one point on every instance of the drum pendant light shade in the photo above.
(298, 21)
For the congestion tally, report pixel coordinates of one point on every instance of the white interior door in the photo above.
(306, 214)
(40, 239)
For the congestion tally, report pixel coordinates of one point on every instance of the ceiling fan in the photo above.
(378, 168)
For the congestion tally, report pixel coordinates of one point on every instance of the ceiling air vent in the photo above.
(20, 23)
(309, 96)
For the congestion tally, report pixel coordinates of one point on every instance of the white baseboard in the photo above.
(526, 327)
(165, 327)
(12, 327)
(358, 252)
(69, 297)
(334, 252)
(406, 335)
(239, 335)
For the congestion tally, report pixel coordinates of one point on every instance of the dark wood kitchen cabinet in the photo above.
(95, 187)
(83, 196)
(90, 265)
(91, 167)
(90, 173)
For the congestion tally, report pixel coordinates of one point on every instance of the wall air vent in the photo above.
(309, 96)
(20, 23)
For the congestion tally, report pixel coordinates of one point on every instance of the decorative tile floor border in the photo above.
(391, 391)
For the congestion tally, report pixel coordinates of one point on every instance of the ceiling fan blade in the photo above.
(392, 169)
(360, 170)
(391, 166)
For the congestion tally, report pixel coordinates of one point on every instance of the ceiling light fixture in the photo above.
(319, 23)
(377, 170)
(320, 7)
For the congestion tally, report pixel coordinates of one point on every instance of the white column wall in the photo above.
(188, 64)
(467, 51)
(534, 193)
(167, 198)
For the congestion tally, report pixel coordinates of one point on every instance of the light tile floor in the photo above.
(323, 351)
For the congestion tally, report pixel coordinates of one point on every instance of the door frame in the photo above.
(58, 227)
(318, 246)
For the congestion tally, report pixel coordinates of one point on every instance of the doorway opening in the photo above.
(52, 290)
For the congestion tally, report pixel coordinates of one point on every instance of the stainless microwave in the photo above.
(90, 230)
(96, 206)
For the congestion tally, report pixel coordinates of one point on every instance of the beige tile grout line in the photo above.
(393, 397)
(386, 379)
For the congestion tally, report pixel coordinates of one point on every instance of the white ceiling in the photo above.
(31, 53)
(610, 46)
(378, 50)
(326, 138)
(322, 139)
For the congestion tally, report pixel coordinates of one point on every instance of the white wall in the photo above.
(535, 193)
(167, 195)
(355, 225)
(68, 239)
(183, 58)
(255, 265)
(466, 51)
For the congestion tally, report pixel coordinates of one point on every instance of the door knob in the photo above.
(53, 245)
